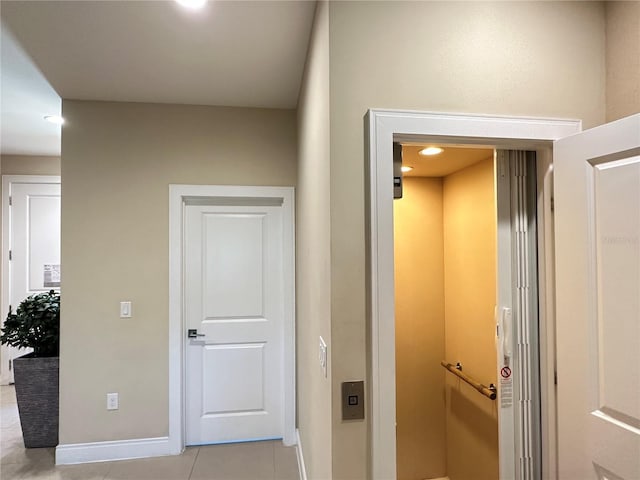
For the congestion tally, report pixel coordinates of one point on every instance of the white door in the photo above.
(33, 237)
(234, 301)
(597, 199)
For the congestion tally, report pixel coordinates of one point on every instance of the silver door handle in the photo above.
(193, 333)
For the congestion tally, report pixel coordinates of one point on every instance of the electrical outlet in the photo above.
(112, 401)
(322, 356)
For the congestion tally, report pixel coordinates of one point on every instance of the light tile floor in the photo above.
(247, 461)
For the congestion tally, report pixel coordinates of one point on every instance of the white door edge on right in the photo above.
(597, 224)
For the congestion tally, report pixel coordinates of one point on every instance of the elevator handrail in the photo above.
(489, 392)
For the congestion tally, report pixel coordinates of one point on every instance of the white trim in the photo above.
(506, 417)
(302, 469)
(107, 451)
(177, 196)
(383, 127)
(546, 292)
(5, 295)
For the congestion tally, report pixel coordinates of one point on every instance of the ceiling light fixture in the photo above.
(193, 4)
(57, 119)
(406, 168)
(431, 151)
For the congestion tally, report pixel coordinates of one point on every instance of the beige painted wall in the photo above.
(420, 325)
(30, 165)
(313, 257)
(514, 58)
(118, 160)
(623, 58)
(470, 296)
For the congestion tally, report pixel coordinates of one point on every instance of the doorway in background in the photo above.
(30, 247)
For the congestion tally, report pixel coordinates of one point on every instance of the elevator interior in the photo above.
(445, 290)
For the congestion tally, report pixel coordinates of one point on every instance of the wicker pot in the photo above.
(37, 394)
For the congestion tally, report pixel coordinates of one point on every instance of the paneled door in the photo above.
(32, 236)
(234, 307)
(597, 199)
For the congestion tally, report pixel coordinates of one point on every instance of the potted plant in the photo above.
(36, 324)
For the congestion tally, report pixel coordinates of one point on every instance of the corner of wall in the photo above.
(313, 270)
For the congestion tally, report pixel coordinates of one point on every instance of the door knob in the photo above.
(193, 333)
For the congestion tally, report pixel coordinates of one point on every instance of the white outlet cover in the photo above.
(112, 401)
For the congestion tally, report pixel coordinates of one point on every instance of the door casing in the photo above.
(179, 197)
(383, 127)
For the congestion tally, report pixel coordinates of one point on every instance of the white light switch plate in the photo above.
(125, 309)
(322, 356)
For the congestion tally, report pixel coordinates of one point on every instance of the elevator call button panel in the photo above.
(353, 400)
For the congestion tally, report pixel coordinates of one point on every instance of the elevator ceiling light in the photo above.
(431, 151)
(193, 4)
(406, 168)
(57, 119)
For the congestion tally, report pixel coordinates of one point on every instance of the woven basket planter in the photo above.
(37, 394)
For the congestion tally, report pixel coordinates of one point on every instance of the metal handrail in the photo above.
(489, 392)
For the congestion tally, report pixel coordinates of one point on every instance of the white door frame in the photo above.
(7, 183)
(383, 127)
(179, 195)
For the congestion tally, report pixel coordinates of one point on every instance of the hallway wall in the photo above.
(313, 256)
(623, 58)
(118, 160)
(29, 165)
(420, 327)
(470, 294)
(509, 58)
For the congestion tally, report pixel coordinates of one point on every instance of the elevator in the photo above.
(464, 219)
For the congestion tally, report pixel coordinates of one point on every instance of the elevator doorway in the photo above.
(464, 227)
(445, 275)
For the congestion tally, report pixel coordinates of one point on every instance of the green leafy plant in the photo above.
(35, 324)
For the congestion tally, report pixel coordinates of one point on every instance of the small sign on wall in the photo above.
(506, 387)
(51, 276)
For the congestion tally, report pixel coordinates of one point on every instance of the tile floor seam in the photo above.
(194, 463)
(109, 467)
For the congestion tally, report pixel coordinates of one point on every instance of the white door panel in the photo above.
(233, 277)
(245, 361)
(35, 237)
(34, 240)
(597, 197)
(234, 299)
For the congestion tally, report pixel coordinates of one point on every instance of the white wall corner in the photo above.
(113, 450)
(301, 466)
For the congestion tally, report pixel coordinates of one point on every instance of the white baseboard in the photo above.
(114, 450)
(301, 466)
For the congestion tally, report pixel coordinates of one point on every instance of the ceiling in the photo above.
(26, 97)
(230, 53)
(449, 161)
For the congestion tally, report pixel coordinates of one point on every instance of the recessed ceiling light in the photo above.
(57, 119)
(431, 151)
(406, 168)
(193, 4)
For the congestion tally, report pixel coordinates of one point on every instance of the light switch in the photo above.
(125, 309)
(322, 356)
